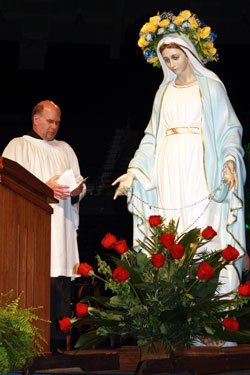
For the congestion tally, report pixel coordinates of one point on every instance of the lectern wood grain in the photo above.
(25, 239)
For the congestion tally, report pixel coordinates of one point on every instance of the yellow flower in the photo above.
(213, 51)
(149, 27)
(153, 60)
(208, 48)
(152, 27)
(144, 28)
(142, 42)
(204, 32)
(178, 20)
(211, 47)
(193, 23)
(164, 23)
(185, 14)
(155, 19)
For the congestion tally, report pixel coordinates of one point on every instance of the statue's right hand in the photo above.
(125, 182)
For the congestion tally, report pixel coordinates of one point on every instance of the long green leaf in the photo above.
(102, 300)
(103, 322)
(87, 340)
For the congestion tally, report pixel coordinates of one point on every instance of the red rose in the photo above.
(121, 274)
(84, 269)
(65, 324)
(230, 253)
(230, 324)
(205, 271)
(81, 309)
(177, 251)
(108, 241)
(121, 247)
(208, 233)
(167, 240)
(244, 289)
(158, 260)
(154, 220)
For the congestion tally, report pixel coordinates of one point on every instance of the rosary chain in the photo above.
(210, 197)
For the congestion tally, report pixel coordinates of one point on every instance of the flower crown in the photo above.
(185, 23)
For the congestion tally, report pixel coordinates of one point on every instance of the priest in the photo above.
(47, 158)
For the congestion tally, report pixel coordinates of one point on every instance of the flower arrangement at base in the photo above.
(167, 292)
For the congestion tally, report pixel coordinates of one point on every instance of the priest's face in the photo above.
(47, 123)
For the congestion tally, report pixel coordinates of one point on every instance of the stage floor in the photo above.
(127, 360)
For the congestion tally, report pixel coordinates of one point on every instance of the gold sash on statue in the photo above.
(183, 130)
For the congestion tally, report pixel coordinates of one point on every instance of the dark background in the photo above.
(83, 55)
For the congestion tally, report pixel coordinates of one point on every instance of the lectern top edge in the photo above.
(18, 173)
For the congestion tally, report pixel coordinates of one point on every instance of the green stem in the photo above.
(98, 277)
(195, 282)
(136, 294)
(156, 278)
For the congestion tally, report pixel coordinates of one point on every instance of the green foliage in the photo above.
(170, 304)
(18, 336)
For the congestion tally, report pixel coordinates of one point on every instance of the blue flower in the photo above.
(161, 31)
(202, 24)
(185, 25)
(172, 27)
(149, 54)
(212, 36)
(149, 37)
(164, 16)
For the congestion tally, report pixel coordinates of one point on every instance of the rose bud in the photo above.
(154, 220)
(81, 309)
(84, 269)
(65, 324)
(121, 274)
(158, 260)
(230, 324)
(108, 241)
(208, 233)
(205, 271)
(177, 251)
(244, 289)
(121, 247)
(230, 253)
(167, 240)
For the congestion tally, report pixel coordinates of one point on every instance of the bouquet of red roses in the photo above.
(167, 292)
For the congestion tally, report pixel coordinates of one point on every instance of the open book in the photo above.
(68, 178)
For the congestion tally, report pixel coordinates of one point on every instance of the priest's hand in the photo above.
(79, 189)
(60, 191)
(125, 183)
(230, 176)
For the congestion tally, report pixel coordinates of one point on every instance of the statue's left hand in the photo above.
(229, 175)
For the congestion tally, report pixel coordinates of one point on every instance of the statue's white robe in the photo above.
(221, 137)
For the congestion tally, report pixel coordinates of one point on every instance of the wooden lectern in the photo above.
(25, 239)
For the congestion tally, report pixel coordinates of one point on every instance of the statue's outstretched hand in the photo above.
(230, 176)
(125, 182)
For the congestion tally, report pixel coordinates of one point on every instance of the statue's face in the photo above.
(176, 60)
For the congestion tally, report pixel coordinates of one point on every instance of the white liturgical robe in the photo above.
(46, 159)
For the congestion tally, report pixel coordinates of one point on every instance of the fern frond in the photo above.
(19, 338)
